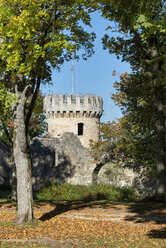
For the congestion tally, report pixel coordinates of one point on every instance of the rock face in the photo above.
(118, 175)
(60, 160)
(5, 164)
(53, 160)
(66, 160)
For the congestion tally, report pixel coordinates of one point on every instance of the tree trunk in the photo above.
(160, 145)
(23, 166)
(160, 126)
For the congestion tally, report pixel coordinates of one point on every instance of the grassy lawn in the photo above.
(85, 216)
(86, 193)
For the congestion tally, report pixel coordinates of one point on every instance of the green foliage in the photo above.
(141, 42)
(107, 140)
(140, 24)
(132, 138)
(36, 36)
(61, 192)
(6, 100)
(37, 125)
(42, 32)
(136, 99)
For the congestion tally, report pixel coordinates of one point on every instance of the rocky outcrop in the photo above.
(66, 160)
(116, 174)
(5, 164)
(60, 160)
(53, 160)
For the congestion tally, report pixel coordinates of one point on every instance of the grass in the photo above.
(80, 232)
(113, 241)
(116, 242)
(61, 192)
(21, 245)
(69, 192)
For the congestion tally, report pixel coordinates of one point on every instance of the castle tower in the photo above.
(68, 113)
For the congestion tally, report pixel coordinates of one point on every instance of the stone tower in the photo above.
(77, 114)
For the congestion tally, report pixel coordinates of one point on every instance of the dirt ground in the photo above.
(74, 224)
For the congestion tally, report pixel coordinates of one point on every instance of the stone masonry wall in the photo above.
(64, 113)
(90, 128)
(60, 160)
(116, 174)
(66, 160)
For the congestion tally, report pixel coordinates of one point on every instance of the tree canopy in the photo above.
(141, 27)
(136, 100)
(36, 36)
(142, 43)
(37, 125)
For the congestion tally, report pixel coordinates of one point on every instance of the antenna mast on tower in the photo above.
(73, 74)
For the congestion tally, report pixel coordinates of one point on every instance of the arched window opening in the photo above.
(80, 128)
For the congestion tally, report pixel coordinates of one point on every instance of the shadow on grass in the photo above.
(147, 212)
(92, 200)
(99, 201)
(62, 207)
(136, 212)
(158, 234)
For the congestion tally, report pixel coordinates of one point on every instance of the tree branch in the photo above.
(138, 40)
(32, 103)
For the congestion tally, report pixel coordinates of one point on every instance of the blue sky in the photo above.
(93, 76)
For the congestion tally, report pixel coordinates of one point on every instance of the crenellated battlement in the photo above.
(60, 106)
(76, 114)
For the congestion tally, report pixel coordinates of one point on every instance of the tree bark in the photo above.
(23, 166)
(160, 145)
(160, 125)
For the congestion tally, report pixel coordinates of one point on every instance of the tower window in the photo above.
(80, 128)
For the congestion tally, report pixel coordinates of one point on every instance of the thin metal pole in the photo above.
(73, 74)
